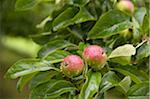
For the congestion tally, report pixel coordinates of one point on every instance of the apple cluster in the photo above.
(93, 55)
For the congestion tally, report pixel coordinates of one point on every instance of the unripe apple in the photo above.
(95, 56)
(126, 6)
(72, 65)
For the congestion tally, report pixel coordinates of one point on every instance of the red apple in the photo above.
(126, 6)
(72, 65)
(95, 57)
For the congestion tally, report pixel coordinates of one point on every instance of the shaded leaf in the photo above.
(64, 18)
(139, 91)
(53, 46)
(68, 18)
(109, 24)
(40, 90)
(123, 60)
(38, 38)
(114, 94)
(109, 80)
(125, 84)
(143, 51)
(139, 15)
(80, 2)
(91, 85)
(41, 77)
(127, 73)
(57, 55)
(24, 80)
(58, 88)
(82, 16)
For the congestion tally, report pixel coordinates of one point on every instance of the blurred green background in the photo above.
(15, 27)
(15, 43)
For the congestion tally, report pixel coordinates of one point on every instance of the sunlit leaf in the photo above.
(109, 24)
(28, 66)
(125, 50)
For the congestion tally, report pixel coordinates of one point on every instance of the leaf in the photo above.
(139, 14)
(23, 80)
(109, 24)
(40, 90)
(127, 73)
(41, 77)
(57, 55)
(43, 23)
(136, 30)
(41, 38)
(139, 91)
(125, 50)
(26, 4)
(63, 18)
(123, 60)
(80, 2)
(143, 51)
(53, 46)
(91, 85)
(27, 66)
(81, 46)
(145, 25)
(58, 88)
(82, 16)
(66, 18)
(113, 94)
(125, 84)
(109, 80)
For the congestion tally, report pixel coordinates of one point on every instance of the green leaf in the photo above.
(143, 51)
(136, 30)
(145, 25)
(82, 16)
(125, 84)
(57, 55)
(53, 46)
(23, 80)
(139, 15)
(26, 4)
(63, 18)
(125, 50)
(127, 73)
(58, 88)
(40, 90)
(68, 17)
(113, 94)
(123, 60)
(81, 46)
(80, 2)
(91, 85)
(87, 89)
(109, 80)
(41, 77)
(43, 23)
(27, 66)
(139, 91)
(41, 38)
(110, 23)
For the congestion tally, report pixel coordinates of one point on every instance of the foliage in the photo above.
(68, 29)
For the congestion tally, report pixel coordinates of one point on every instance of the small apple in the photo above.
(72, 66)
